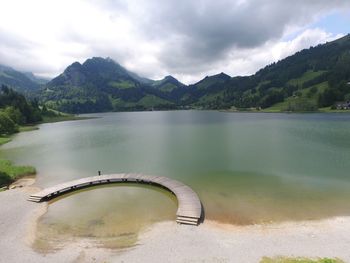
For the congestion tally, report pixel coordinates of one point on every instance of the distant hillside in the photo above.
(22, 82)
(38, 80)
(200, 94)
(167, 84)
(310, 79)
(306, 81)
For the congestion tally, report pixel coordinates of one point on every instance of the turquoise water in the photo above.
(246, 167)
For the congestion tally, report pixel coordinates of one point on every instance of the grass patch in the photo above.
(60, 118)
(151, 100)
(308, 75)
(167, 87)
(122, 84)
(299, 260)
(301, 102)
(9, 172)
(15, 171)
(120, 103)
(28, 128)
(209, 81)
(210, 98)
(4, 140)
(329, 109)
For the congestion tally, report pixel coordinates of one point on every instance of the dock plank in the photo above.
(189, 204)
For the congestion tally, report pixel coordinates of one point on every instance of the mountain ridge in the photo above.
(305, 81)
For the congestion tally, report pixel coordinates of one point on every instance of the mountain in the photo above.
(198, 94)
(209, 81)
(18, 80)
(141, 79)
(101, 84)
(94, 71)
(167, 84)
(306, 81)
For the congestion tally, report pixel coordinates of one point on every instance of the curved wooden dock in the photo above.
(189, 206)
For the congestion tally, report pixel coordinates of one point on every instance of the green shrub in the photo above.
(5, 179)
(7, 125)
(10, 172)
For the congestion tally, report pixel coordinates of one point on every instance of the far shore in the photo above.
(281, 111)
(34, 126)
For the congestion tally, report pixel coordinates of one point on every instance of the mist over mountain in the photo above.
(24, 82)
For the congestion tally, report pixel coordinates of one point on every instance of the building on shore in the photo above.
(342, 105)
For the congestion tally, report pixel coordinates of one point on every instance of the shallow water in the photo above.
(246, 167)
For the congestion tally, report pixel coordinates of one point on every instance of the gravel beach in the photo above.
(169, 242)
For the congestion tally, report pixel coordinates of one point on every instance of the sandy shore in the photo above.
(169, 242)
(17, 233)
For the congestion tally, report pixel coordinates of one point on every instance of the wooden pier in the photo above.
(189, 206)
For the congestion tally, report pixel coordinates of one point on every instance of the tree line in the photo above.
(16, 110)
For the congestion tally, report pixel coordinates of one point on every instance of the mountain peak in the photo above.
(170, 79)
(208, 81)
(167, 84)
(220, 76)
(105, 66)
(101, 60)
(98, 60)
(75, 65)
(223, 74)
(96, 71)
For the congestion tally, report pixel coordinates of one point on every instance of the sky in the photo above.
(184, 38)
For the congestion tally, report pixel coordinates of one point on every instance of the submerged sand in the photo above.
(169, 242)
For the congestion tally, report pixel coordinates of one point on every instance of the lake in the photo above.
(247, 168)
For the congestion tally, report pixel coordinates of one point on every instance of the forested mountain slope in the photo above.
(310, 79)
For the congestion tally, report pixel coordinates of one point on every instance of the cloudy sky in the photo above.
(184, 38)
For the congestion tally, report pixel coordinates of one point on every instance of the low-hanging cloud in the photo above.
(186, 38)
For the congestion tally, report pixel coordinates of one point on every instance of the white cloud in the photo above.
(241, 62)
(188, 39)
(272, 51)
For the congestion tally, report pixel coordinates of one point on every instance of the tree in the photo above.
(30, 112)
(7, 125)
(15, 114)
(5, 179)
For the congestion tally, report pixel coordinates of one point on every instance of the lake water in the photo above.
(246, 167)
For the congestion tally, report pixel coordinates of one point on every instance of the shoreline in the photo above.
(169, 242)
(286, 112)
(12, 177)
